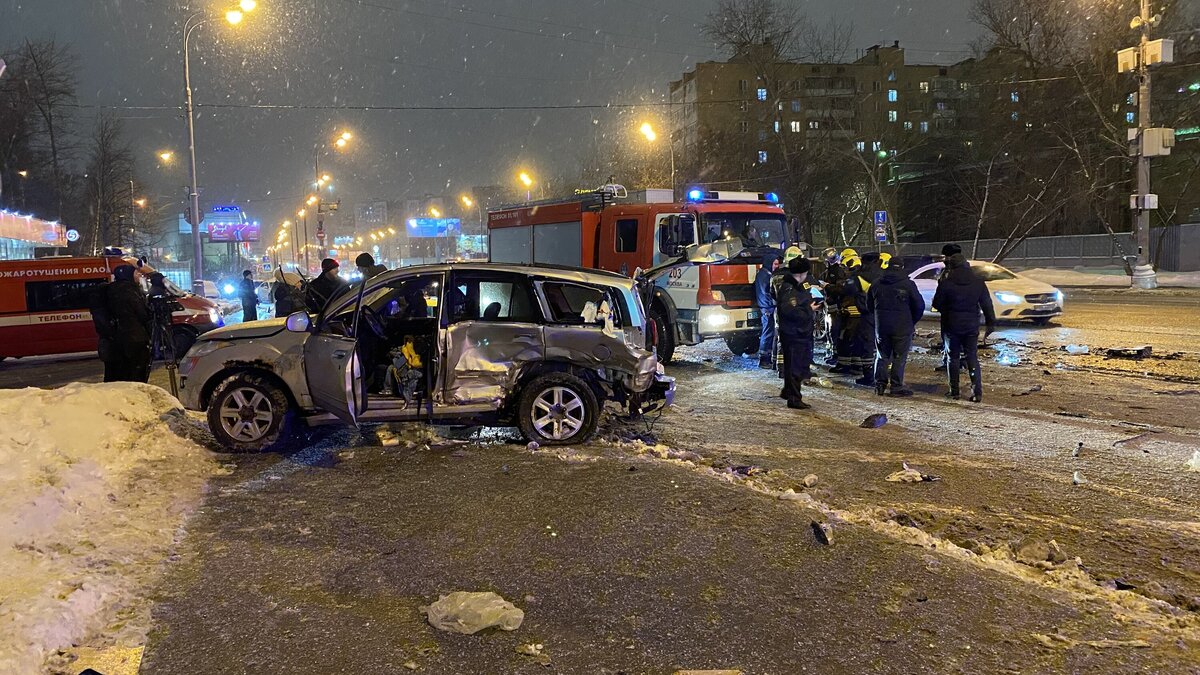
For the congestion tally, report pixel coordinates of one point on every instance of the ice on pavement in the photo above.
(94, 488)
(1106, 276)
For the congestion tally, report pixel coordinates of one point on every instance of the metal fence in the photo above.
(1175, 248)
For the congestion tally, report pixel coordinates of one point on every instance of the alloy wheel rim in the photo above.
(558, 413)
(246, 414)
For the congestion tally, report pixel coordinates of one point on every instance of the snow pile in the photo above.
(1106, 276)
(94, 486)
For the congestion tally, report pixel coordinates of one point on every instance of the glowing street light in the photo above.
(140, 202)
(248, 5)
(433, 211)
(23, 174)
(467, 201)
(651, 135)
(525, 179)
(301, 213)
(166, 156)
(312, 199)
(234, 16)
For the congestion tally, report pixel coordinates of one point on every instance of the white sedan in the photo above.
(1015, 297)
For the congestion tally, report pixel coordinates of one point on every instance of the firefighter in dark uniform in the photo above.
(961, 296)
(832, 282)
(130, 316)
(859, 348)
(794, 310)
(897, 306)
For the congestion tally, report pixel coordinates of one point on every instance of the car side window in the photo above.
(491, 296)
(627, 235)
(930, 274)
(568, 302)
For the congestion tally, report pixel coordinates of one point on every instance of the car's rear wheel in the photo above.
(558, 409)
(248, 413)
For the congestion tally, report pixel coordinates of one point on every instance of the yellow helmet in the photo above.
(885, 259)
(849, 253)
(791, 254)
(851, 261)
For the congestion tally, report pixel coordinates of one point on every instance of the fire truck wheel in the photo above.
(248, 413)
(741, 344)
(665, 337)
(558, 409)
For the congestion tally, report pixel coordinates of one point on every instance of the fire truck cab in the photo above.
(606, 229)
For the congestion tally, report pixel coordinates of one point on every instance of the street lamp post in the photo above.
(319, 181)
(233, 16)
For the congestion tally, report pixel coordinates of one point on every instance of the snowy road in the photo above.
(690, 545)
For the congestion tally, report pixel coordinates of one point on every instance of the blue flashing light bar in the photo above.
(695, 195)
(772, 197)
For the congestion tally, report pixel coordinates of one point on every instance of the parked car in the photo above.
(1015, 297)
(539, 348)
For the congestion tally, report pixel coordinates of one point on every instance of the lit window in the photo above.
(1015, 96)
(876, 145)
(893, 116)
(962, 86)
(924, 87)
(795, 126)
(924, 127)
(860, 146)
(908, 126)
(762, 94)
(796, 106)
(776, 126)
(1129, 100)
(814, 124)
(891, 76)
(742, 106)
(1016, 116)
(762, 156)
(893, 95)
(941, 105)
(1130, 117)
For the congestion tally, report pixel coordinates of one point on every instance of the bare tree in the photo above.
(1041, 32)
(110, 168)
(48, 72)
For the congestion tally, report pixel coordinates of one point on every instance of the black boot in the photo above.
(798, 404)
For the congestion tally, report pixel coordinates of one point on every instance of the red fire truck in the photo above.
(606, 229)
(44, 306)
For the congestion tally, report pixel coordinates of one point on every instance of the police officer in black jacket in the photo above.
(961, 296)
(897, 306)
(794, 307)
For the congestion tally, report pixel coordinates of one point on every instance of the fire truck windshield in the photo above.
(756, 230)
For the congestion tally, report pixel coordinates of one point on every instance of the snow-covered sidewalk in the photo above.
(94, 486)
(1106, 277)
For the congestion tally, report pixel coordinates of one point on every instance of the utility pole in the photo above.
(1150, 141)
(1143, 272)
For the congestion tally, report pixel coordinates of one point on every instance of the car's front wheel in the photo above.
(558, 409)
(248, 413)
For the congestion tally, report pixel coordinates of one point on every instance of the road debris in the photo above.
(823, 532)
(1193, 464)
(1032, 390)
(1077, 478)
(874, 421)
(468, 613)
(533, 446)
(1077, 350)
(535, 651)
(1136, 353)
(911, 475)
(810, 480)
(747, 470)
(411, 665)
(791, 495)
(1078, 450)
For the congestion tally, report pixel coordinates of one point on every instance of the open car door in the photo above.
(333, 368)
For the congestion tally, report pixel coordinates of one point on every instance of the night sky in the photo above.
(402, 53)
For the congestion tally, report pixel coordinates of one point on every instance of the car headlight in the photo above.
(1060, 296)
(1007, 298)
(205, 347)
(214, 316)
(228, 289)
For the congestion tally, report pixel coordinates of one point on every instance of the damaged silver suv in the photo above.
(539, 348)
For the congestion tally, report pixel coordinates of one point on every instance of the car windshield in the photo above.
(991, 272)
(754, 229)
